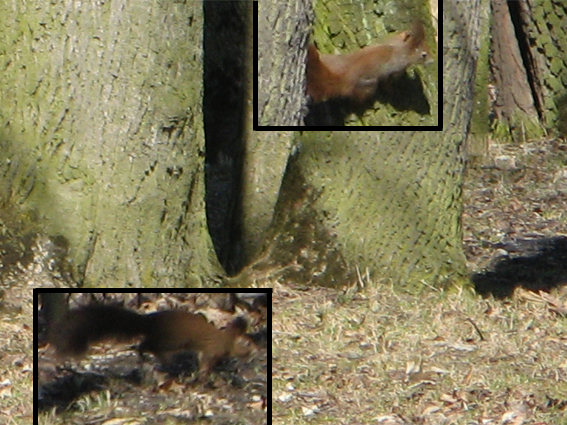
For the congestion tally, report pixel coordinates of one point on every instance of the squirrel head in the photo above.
(415, 40)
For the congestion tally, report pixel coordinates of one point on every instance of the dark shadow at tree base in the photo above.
(536, 264)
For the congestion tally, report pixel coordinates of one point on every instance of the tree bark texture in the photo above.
(384, 203)
(102, 139)
(264, 166)
(360, 202)
(529, 66)
(547, 26)
(514, 107)
(282, 46)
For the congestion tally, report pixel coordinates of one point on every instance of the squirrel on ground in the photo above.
(356, 75)
(164, 333)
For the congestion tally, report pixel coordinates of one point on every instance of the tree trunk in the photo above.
(264, 165)
(102, 136)
(478, 139)
(516, 114)
(282, 45)
(383, 203)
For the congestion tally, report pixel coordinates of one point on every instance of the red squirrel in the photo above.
(356, 75)
(165, 332)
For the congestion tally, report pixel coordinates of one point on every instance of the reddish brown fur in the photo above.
(356, 75)
(164, 332)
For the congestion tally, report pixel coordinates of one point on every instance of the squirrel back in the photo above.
(357, 74)
(171, 331)
(164, 332)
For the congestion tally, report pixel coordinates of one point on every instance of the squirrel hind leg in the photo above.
(206, 365)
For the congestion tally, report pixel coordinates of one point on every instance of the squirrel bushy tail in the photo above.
(78, 329)
(164, 333)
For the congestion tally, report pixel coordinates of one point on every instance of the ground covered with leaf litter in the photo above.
(380, 356)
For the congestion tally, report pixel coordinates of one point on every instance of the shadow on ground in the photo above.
(533, 264)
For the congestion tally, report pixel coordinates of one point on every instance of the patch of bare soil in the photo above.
(515, 217)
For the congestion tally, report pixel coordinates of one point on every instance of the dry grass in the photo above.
(380, 356)
(16, 340)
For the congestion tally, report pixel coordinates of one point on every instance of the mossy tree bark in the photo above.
(102, 139)
(529, 66)
(264, 165)
(384, 203)
(514, 103)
